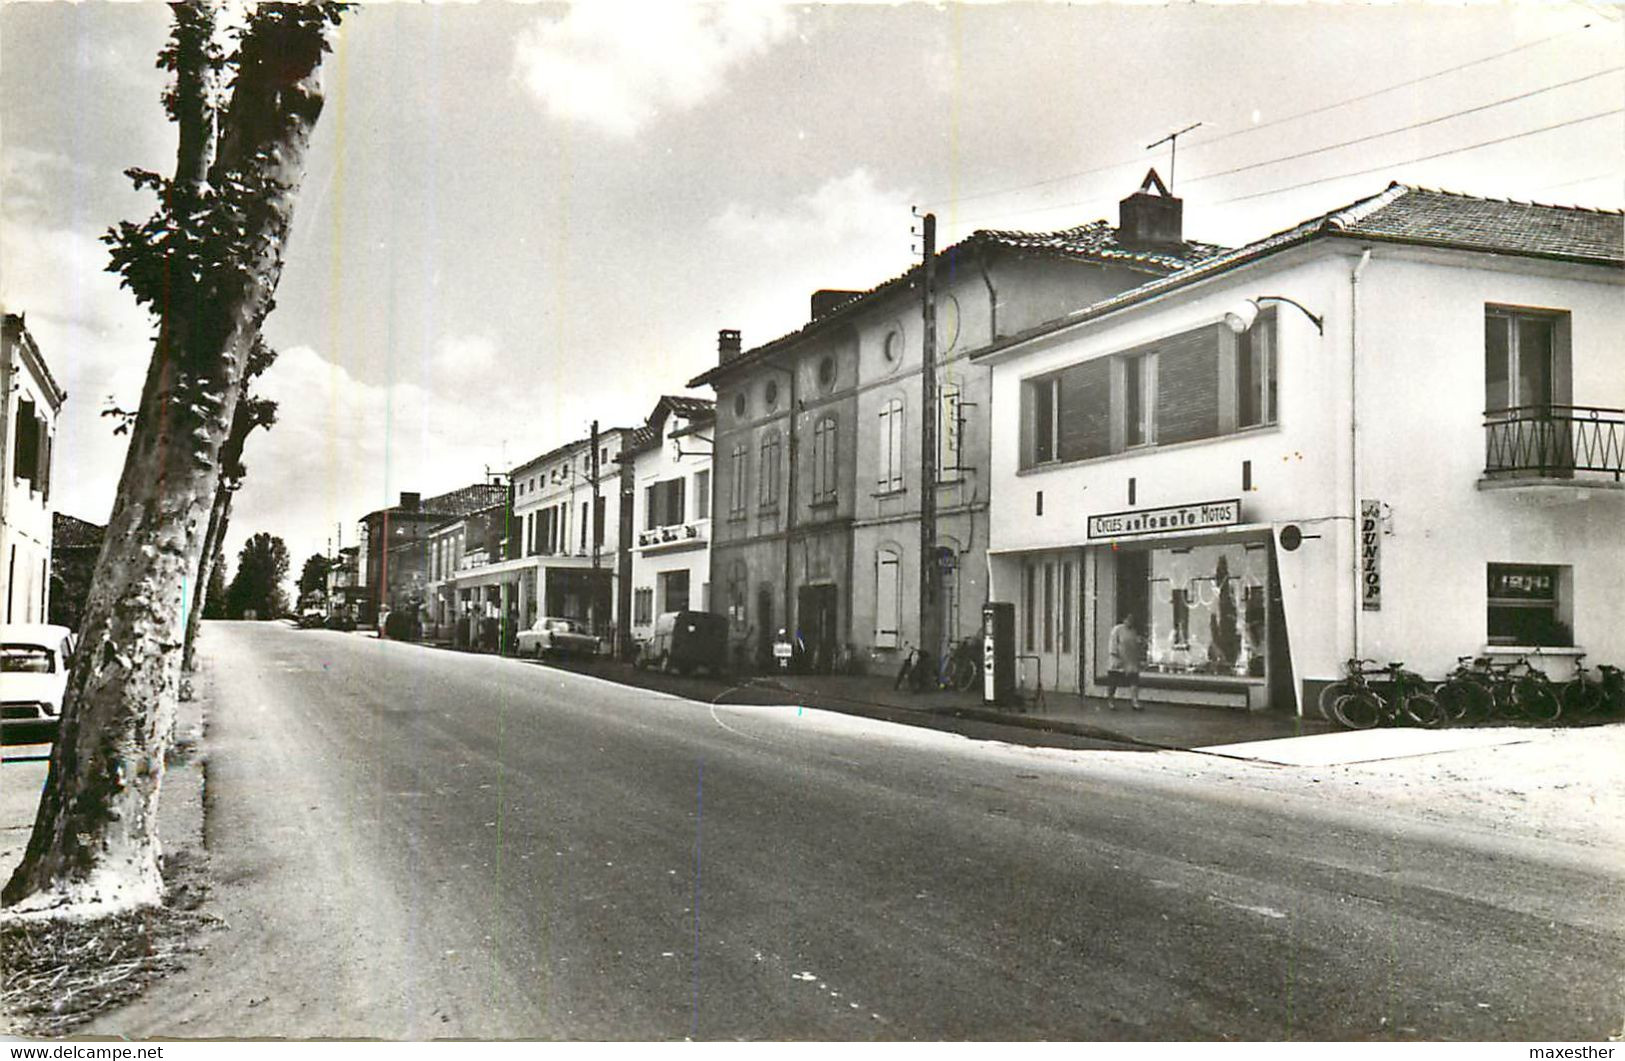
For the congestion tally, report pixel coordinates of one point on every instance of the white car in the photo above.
(552, 636)
(33, 672)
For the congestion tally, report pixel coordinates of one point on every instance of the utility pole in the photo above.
(930, 613)
(592, 522)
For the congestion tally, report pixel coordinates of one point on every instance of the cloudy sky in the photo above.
(520, 217)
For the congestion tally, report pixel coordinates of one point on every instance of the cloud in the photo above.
(841, 211)
(616, 64)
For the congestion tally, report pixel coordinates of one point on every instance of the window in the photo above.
(739, 404)
(770, 393)
(674, 591)
(736, 482)
(826, 370)
(1029, 605)
(25, 465)
(1255, 373)
(1044, 396)
(891, 348)
(823, 470)
(1519, 359)
(1137, 400)
(702, 494)
(767, 480)
(663, 503)
(888, 598)
(950, 429)
(643, 607)
(891, 446)
(1525, 605)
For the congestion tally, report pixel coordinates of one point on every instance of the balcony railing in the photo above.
(1554, 442)
(670, 534)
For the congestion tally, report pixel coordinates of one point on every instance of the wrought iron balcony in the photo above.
(1552, 442)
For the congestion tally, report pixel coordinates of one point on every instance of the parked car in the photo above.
(311, 620)
(683, 641)
(340, 621)
(33, 673)
(552, 636)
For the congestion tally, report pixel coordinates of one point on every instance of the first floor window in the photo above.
(643, 606)
(1519, 359)
(823, 469)
(1525, 605)
(1255, 373)
(891, 446)
(736, 482)
(1044, 428)
(702, 494)
(950, 428)
(1137, 400)
(767, 472)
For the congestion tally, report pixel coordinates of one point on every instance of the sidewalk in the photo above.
(1059, 715)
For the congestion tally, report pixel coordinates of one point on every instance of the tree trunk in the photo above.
(95, 847)
(219, 517)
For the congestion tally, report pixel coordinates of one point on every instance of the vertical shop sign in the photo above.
(1371, 555)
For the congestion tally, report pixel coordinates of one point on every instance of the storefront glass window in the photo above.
(1204, 606)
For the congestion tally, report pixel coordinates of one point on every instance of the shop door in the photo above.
(1058, 585)
(817, 618)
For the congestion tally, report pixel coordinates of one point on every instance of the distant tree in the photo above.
(262, 567)
(206, 264)
(214, 599)
(313, 578)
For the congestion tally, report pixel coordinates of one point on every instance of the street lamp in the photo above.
(1240, 317)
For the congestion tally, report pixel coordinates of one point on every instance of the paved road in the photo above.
(415, 843)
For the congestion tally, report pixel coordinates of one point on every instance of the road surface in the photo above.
(414, 843)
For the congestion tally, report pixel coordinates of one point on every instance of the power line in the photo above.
(1407, 128)
(1139, 159)
(1390, 88)
(1423, 158)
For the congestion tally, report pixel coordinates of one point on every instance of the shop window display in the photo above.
(1205, 607)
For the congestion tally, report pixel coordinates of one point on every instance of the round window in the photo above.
(826, 370)
(739, 404)
(892, 348)
(771, 393)
(948, 323)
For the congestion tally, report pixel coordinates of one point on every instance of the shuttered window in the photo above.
(888, 598)
(891, 446)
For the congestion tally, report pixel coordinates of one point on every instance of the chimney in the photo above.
(828, 300)
(410, 501)
(727, 345)
(1152, 216)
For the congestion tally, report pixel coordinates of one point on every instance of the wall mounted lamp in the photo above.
(1240, 317)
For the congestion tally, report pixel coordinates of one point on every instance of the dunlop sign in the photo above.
(1371, 555)
(1162, 520)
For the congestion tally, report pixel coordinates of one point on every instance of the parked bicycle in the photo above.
(916, 671)
(1487, 689)
(1580, 696)
(962, 667)
(1404, 696)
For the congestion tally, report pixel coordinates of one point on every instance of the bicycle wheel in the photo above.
(1464, 700)
(1536, 700)
(966, 674)
(1357, 710)
(1581, 698)
(1329, 694)
(1424, 709)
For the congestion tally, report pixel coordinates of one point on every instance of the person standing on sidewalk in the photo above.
(1125, 651)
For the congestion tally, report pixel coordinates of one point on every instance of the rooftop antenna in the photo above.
(1172, 140)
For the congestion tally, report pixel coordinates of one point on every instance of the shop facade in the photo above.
(1393, 433)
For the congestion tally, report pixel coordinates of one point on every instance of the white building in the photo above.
(670, 511)
(543, 553)
(30, 400)
(1413, 453)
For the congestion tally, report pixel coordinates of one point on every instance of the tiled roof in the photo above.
(1504, 226)
(468, 499)
(647, 437)
(1401, 213)
(1093, 242)
(1098, 242)
(70, 532)
(604, 433)
(689, 408)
